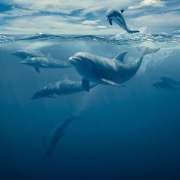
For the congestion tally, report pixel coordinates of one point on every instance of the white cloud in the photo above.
(67, 6)
(49, 24)
(102, 27)
(47, 16)
(90, 22)
(149, 3)
(157, 22)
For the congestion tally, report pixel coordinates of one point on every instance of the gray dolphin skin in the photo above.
(27, 54)
(169, 80)
(117, 16)
(164, 85)
(102, 70)
(44, 62)
(56, 134)
(60, 88)
(38, 60)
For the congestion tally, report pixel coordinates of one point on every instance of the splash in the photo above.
(157, 58)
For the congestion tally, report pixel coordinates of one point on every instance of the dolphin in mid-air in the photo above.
(164, 85)
(61, 88)
(117, 16)
(169, 80)
(56, 134)
(44, 62)
(101, 70)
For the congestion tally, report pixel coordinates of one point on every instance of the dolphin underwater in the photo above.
(164, 85)
(117, 16)
(169, 80)
(27, 54)
(44, 62)
(56, 134)
(102, 70)
(60, 88)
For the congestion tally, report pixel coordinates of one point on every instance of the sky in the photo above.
(86, 16)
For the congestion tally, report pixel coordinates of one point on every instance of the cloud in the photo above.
(157, 22)
(66, 6)
(102, 27)
(51, 25)
(149, 3)
(90, 22)
(80, 17)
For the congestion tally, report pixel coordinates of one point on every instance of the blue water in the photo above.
(125, 133)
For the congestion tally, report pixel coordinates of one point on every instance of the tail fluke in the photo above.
(147, 50)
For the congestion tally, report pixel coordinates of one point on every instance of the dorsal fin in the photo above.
(122, 10)
(121, 56)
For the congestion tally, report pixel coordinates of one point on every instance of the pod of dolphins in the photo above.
(94, 70)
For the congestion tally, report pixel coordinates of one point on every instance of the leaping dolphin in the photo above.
(60, 88)
(56, 134)
(117, 16)
(44, 62)
(102, 70)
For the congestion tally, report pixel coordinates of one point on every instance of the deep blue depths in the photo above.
(125, 133)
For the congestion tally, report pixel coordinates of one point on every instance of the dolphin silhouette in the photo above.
(169, 80)
(164, 85)
(117, 16)
(56, 134)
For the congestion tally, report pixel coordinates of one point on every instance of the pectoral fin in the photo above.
(37, 69)
(85, 84)
(112, 83)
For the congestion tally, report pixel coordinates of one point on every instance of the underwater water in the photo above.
(125, 133)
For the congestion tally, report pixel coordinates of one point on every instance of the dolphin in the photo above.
(60, 88)
(27, 54)
(44, 62)
(164, 85)
(169, 80)
(56, 134)
(101, 70)
(117, 16)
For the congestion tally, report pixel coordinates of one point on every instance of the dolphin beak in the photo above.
(74, 60)
(71, 60)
